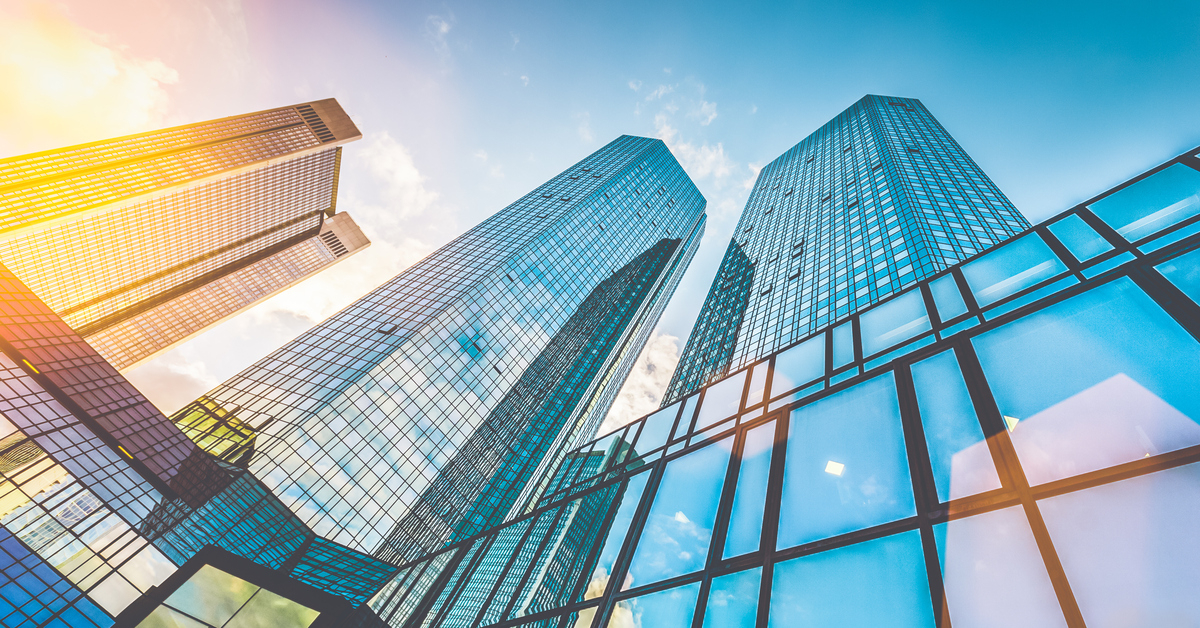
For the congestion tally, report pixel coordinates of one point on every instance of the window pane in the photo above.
(750, 496)
(211, 595)
(1184, 272)
(993, 572)
(733, 600)
(758, 382)
(616, 536)
(947, 298)
(962, 464)
(893, 322)
(877, 583)
(1013, 267)
(1102, 378)
(799, 365)
(656, 429)
(1130, 549)
(673, 608)
(685, 419)
(1152, 204)
(721, 400)
(1083, 241)
(846, 468)
(268, 610)
(679, 526)
(843, 345)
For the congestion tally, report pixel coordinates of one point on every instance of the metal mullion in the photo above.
(991, 419)
(716, 547)
(538, 554)
(625, 556)
(1065, 255)
(771, 513)
(504, 572)
(1108, 233)
(415, 619)
(964, 290)
(935, 317)
(1119, 472)
(452, 597)
(924, 489)
(1171, 299)
(849, 538)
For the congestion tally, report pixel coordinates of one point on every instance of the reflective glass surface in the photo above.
(679, 525)
(616, 536)
(1013, 267)
(1154, 203)
(1184, 272)
(962, 464)
(1081, 240)
(846, 467)
(211, 595)
(758, 384)
(876, 583)
(657, 429)
(750, 496)
(721, 400)
(893, 322)
(733, 600)
(947, 298)
(1102, 378)
(843, 345)
(673, 608)
(799, 365)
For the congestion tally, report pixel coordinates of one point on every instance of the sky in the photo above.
(466, 106)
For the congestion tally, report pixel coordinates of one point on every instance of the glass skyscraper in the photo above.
(876, 199)
(1013, 441)
(430, 409)
(141, 241)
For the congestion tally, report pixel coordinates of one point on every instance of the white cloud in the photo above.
(706, 112)
(480, 154)
(753, 109)
(525, 80)
(659, 92)
(755, 168)
(701, 161)
(516, 39)
(643, 390)
(585, 126)
(635, 85)
(682, 518)
(64, 84)
(402, 185)
(437, 30)
(666, 70)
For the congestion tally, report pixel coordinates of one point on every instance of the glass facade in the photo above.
(874, 201)
(437, 405)
(117, 234)
(1012, 441)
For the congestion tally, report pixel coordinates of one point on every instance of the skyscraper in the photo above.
(876, 199)
(141, 241)
(419, 414)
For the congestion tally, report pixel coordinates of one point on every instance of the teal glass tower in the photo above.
(875, 200)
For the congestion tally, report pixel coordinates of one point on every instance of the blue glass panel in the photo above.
(845, 375)
(846, 467)
(843, 345)
(893, 322)
(1170, 238)
(796, 396)
(799, 365)
(962, 464)
(1130, 548)
(877, 583)
(1081, 240)
(721, 400)
(673, 608)
(1184, 272)
(1022, 263)
(679, 525)
(657, 428)
(947, 298)
(616, 536)
(1102, 378)
(1108, 265)
(1036, 295)
(1152, 204)
(733, 600)
(758, 384)
(685, 419)
(750, 496)
(993, 572)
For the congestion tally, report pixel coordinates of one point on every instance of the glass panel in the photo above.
(721, 400)
(1130, 549)
(993, 572)
(1102, 378)
(164, 617)
(733, 600)
(893, 322)
(673, 608)
(843, 345)
(616, 536)
(1152, 204)
(750, 496)
(947, 298)
(1184, 272)
(962, 464)
(679, 525)
(685, 419)
(877, 583)
(1081, 240)
(799, 365)
(758, 382)
(268, 610)
(846, 468)
(211, 595)
(656, 429)
(1012, 268)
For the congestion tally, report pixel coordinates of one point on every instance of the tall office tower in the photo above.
(876, 199)
(141, 241)
(420, 413)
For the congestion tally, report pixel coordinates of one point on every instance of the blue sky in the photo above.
(466, 106)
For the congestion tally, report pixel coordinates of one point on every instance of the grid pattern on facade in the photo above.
(1027, 453)
(356, 417)
(34, 594)
(876, 199)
